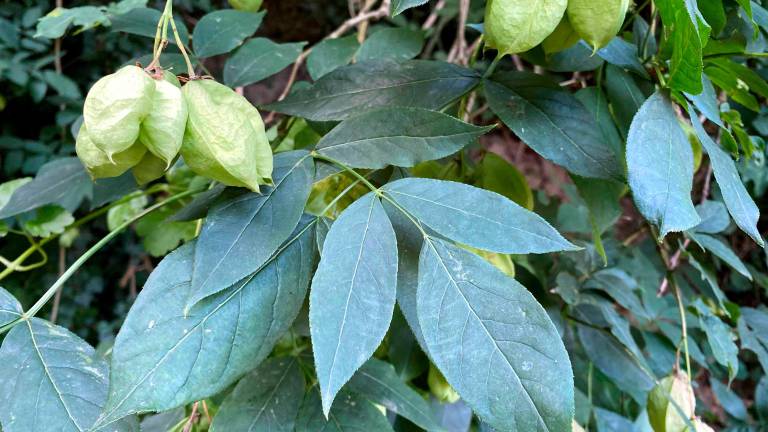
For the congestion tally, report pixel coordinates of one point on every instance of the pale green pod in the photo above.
(562, 38)
(246, 5)
(96, 162)
(662, 414)
(225, 138)
(115, 107)
(515, 26)
(149, 168)
(597, 21)
(162, 131)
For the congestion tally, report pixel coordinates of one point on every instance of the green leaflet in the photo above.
(687, 32)
(162, 130)
(96, 161)
(353, 293)
(476, 217)
(493, 342)
(625, 96)
(222, 31)
(330, 54)
(753, 332)
(660, 165)
(515, 26)
(392, 43)
(596, 103)
(52, 380)
(257, 59)
(234, 242)
(378, 382)
(61, 181)
(10, 308)
(266, 399)
(553, 123)
(352, 413)
(225, 138)
(720, 339)
(164, 357)
(350, 90)
(723, 251)
(397, 136)
(597, 21)
(740, 205)
(115, 107)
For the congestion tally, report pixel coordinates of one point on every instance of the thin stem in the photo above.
(190, 69)
(681, 309)
(493, 65)
(87, 255)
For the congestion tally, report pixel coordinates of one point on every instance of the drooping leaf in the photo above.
(223, 30)
(625, 96)
(729, 400)
(493, 342)
(612, 359)
(56, 22)
(740, 205)
(353, 89)
(721, 250)
(397, 136)
(378, 382)
(596, 102)
(660, 165)
(48, 220)
(623, 54)
(720, 339)
(331, 54)
(51, 380)
(353, 293)
(553, 123)
(392, 43)
(242, 232)
(352, 413)
(403, 351)
(257, 59)
(706, 101)
(753, 331)
(476, 217)
(62, 181)
(164, 357)
(266, 399)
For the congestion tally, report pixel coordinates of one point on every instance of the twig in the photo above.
(457, 53)
(432, 18)
(57, 297)
(192, 418)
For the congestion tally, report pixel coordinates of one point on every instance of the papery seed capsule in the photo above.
(246, 5)
(225, 138)
(515, 26)
(149, 168)
(162, 131)
(115, 107)
(597, 21)
(662, 414)
(96, 162)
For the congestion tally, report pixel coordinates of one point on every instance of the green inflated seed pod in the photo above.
(149, 168)
(597, 21)
(246, 5)
(562, 38)
(115, 107)
(96, 162)
(162, 131)
(515, 26)
(663, 415)
(225, 138)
